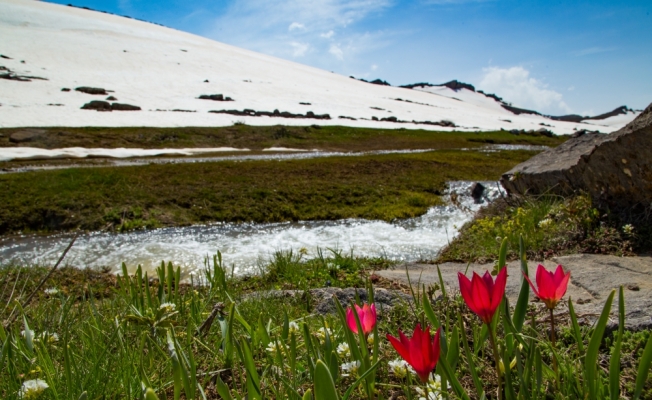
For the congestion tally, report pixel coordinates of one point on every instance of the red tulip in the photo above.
(420, 352)
(552, 286)
(366, 315)
(482, 294)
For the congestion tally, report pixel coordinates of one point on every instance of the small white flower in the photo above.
(321, 333)
(293, 327)
(399, 368)
(24, 334)
(350, 368)
(168, 307)
(544, 223)
(32, 389)
(434, 388)
(51, 291)
(628, 229)
(274, 347)
(48, 337)
(343, 350)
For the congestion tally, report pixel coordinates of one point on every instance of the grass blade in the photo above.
(324, 385)
(591, 360)
(643, 369)
(614, 364)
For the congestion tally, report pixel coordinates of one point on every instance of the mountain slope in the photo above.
(47, 48)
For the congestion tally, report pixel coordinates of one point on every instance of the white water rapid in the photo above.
(245, 246)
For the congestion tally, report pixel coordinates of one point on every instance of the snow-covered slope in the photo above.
(160, 70)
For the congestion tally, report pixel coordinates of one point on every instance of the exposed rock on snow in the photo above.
(215, 97)
(124, 107)
(101, 105)
(91, 90)
(275, 113)
(615, 169)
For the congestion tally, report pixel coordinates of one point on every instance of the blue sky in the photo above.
(557, 57)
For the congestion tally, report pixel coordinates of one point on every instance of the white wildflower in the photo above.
(434, 388)
(48, 337)
(24, 333)
(168, 307)
(321, 333)
(51, 291)
(274, 347)
(350, 368)
(343, 350)
(628, 229)
(32, 389)
(544, 223)
(293, 327)
(400, 368)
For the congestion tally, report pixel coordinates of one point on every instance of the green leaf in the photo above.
(222, 389)
(324, 385)
(591, 360)
(614, 364)
(469, 358)
(430, 313)
(520, 310)
(150, 394)
(450, 375)
(253, 380)
(29, 335)
(84, 396)
(307, 395)
(453, 355)
(643, 369)
(576, 328)
(441, 282)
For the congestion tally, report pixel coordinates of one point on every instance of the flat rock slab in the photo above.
(592, 279)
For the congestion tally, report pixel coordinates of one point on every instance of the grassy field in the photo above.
(122, 198)
(90, 334)
(338, 138)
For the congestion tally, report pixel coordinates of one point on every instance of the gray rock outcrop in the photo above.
(614, 169)
(26, 135)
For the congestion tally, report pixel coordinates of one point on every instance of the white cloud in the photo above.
(268, 27)
(571, 88)
(337, 52)
(328, 35)
(300, 49)
(374, 67)
(516, 86)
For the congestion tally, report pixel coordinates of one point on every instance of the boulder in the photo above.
(26, 135)
(91, 90)
(614, 169)
(124, 107)
(99, 105)
(111, 98)
(477, 192)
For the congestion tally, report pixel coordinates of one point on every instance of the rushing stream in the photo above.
(246, 246)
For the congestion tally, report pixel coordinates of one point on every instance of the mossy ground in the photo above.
(121, 198)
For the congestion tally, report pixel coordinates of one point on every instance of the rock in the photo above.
(215, 97)
(322, 298)
(614, 169)
(99, 105)
(91, 90)
(593, 277)
(111, 98)
(124, 107)
(26, 135)
(65, 89)
(477, 192)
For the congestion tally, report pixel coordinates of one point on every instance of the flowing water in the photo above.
(246, 246)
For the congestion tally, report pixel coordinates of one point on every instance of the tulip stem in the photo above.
(492, 338)
(552, 340)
